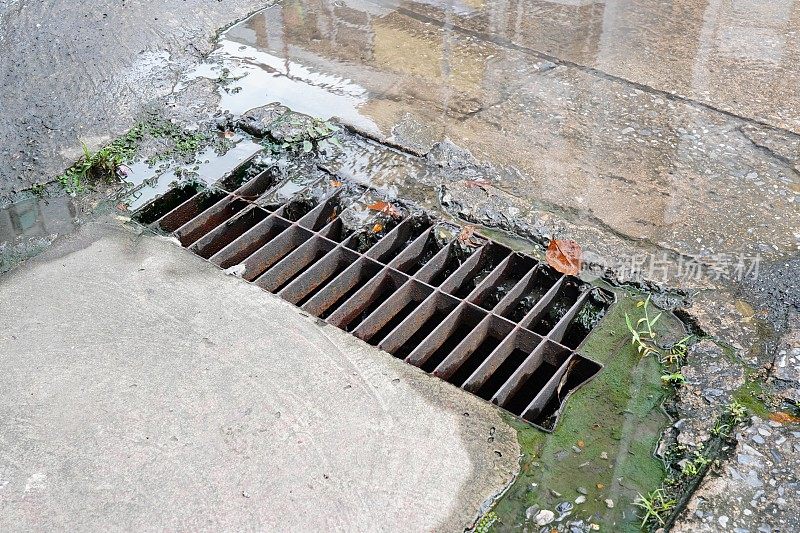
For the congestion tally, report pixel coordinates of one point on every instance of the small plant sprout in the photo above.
(485, 523)
(677, 352)
(642, 336)
(720, 429)
(675, 378)
(655, 506)
(689, 469)
(737, 411)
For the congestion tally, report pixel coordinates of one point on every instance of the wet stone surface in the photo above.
(711, 380)
(757, 490)
(787, 362)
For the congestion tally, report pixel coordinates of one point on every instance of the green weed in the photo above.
(675, 378)
(643, 336)
(485, 523)
(102, 166)
(656, 506)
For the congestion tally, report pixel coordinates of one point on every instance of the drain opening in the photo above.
(496, 323)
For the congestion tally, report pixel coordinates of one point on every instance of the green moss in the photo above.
(102, 165)
(617, 415)
(752, 396)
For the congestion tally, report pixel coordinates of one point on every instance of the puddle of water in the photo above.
(253, 76)
(149, 182)
(29, 226)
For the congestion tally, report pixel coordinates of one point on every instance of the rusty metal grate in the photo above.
(494, 322)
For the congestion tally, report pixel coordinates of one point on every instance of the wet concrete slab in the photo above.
(144, 389)
(654, 168)
(73, 73)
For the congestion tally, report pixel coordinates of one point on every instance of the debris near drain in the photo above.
(564, 256)
(498, 324)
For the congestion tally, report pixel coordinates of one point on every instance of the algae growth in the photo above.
(601, 451)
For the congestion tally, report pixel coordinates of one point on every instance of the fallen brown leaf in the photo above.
(336, 183)
(377, 228)
(467, 237)
(482, 183)
(784, 418)
(564, 256)
(385, 207)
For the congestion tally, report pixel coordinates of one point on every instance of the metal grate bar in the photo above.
(250, 241)
(476, 348)
(538, 368)
(153, 211)
(294, 264)
(318, 275)
(273, 251)
(221, 236)
(392, 312)
(188, 210)
(210, 219)
(496, 323)
(416, 328)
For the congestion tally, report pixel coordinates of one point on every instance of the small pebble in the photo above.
(603, 455)
(582, 490)
(580, 499)
(564, 507)
(609, 503)
(544, 517)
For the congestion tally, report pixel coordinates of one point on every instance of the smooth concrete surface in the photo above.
(143, 389)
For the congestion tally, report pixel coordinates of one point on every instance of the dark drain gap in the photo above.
(169, 201)
(493, 322)
(395, 321)
(550, 316)
(503, 372)
(576, 374)
(478, 356)
(191, 208)
(530, 387)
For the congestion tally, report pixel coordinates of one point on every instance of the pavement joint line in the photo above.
(506, 43)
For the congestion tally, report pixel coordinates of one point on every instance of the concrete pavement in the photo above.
(145, 390)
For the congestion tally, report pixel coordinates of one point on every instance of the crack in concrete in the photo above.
(790, 164)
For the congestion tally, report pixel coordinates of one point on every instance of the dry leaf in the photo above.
(581, 444)
(385, 207)
(377, 228)
(784, 418)
(600, 486)
(477, 182)
(228, 134)
(467, 237)
(336, 183)
(564, 256)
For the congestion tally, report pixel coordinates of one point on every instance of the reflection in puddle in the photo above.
(251, 77)
(28, 226)
(149, 182)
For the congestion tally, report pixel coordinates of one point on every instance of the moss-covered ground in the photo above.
(605, 438)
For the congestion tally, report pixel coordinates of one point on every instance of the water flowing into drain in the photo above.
(493, 322)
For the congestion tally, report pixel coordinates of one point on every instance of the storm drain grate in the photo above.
(494, 322)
